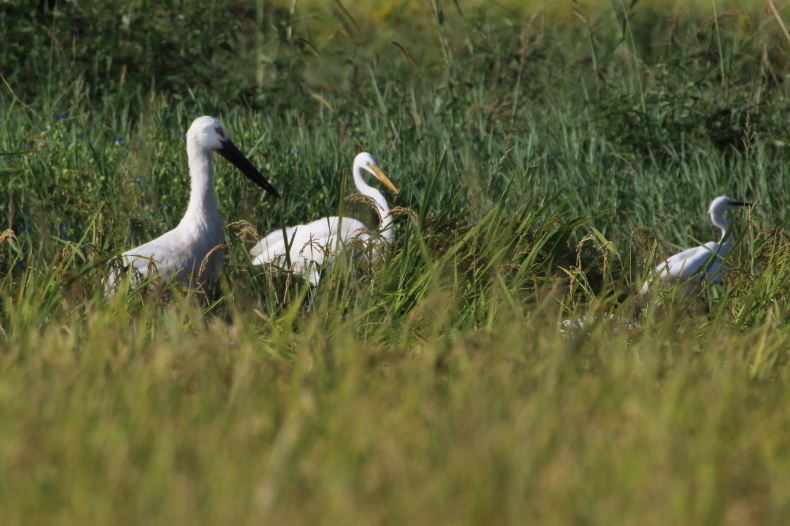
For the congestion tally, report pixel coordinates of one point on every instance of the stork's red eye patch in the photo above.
(220, 131)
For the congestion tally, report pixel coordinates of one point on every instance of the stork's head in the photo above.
(207, 133)
(722, 204)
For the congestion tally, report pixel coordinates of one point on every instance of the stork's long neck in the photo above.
(722, 224)
(385, 227)
(201, 198)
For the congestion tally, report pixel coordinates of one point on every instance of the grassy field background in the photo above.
(548, 155)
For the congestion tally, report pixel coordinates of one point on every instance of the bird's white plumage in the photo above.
(311, 245)
(702, 262)
(182, 251)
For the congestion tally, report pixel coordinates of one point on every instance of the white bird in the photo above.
(311, 245)
(182, 251)
(702, 262)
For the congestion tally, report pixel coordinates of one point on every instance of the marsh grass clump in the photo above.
(548, 157)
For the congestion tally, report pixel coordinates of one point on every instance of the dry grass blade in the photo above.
(204, 263)
(309, 44)
(407, 55)
(776, 242)
(779, 20)
(246, 230)
(368, 201)
(322, 100)
(403, 210)
(151, 271)
(7, 234)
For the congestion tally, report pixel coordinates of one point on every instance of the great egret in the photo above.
(703, 262)
(182, 251)
(311, 245)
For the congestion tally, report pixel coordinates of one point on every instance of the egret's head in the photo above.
(207, 133)
(722, 204)
(366, 162)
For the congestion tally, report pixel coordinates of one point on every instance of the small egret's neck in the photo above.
(201, 197)
(720, 222)
(384, 211)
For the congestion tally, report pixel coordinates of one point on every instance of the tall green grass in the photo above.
(546, 163)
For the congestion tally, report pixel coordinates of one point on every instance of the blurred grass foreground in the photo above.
(548, 155)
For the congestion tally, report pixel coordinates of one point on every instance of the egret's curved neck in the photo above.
(720, 222)
(385, 227)
(201, 197)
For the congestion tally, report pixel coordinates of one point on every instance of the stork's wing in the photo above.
(162, 252)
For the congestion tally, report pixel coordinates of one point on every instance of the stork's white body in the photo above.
(184, 248)
(310, 246)
(703, 262)
(183, 251)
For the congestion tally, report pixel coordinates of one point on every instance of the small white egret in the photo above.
(311, 245)
(182, 250)
(702, 262)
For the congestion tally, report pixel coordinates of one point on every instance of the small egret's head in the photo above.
(366, 161)
(722, 204)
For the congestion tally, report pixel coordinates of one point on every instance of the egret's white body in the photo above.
(314, 244)
(702, 262)
(182, 251)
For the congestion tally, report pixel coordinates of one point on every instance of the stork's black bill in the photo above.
(237, 159)
(740, 203)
